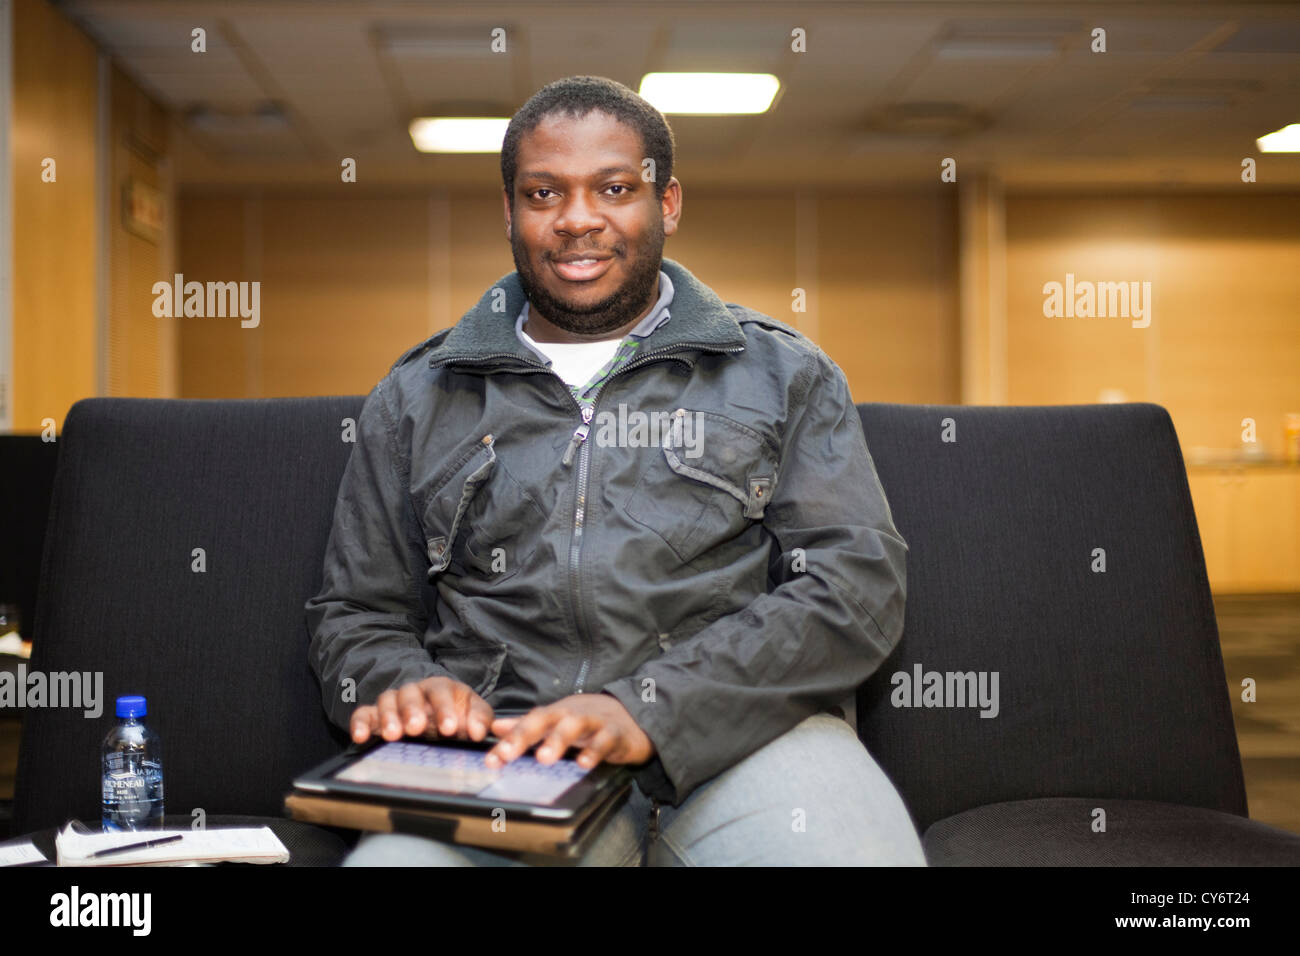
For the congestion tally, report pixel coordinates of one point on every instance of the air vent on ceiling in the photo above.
(1004, 38)
(1012, 26)
(1263, 36)
(997, 48)
(421, 40)
(262, 119)
(1187, 93)
(927, 119)
(465, 108)
(1201, 86)
(1179, 102)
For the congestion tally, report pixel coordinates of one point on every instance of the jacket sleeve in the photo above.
(835, 613)
(367, 622)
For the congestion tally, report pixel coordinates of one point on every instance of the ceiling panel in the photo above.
(1264, 36)
(973, 83)
(183, 90)
(349, 74)
(1174, 30)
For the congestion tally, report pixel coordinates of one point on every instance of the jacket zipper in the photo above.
(579, 442)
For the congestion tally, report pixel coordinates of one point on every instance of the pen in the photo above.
(138, 846)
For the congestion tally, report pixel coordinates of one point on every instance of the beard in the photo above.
(614, 311)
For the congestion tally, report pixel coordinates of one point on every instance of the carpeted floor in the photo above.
(1260, 637)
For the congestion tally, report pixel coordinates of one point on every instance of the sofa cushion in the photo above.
(1057, 831)
(1110, 678)
(215, 639)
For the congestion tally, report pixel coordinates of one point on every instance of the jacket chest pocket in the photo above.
(711, 479)
(478, 667)
(479, 520)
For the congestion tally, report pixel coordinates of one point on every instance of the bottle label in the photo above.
(132, 788)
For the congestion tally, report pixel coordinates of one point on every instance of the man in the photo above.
(644, 516)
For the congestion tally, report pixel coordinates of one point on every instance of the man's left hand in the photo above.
(598, 723)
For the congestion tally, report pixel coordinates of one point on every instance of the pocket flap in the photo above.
(476, 666)
(443, 507)
(730, 456)
(714, 478)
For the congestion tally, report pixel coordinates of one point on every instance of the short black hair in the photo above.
(576, 96)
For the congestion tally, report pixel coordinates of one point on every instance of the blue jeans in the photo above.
(812, 797)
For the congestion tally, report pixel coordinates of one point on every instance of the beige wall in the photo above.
(1224, 340)
(54, 112)
(345, 289)
(141, 350)
(890, 281)
(348, 284)
(60, 354)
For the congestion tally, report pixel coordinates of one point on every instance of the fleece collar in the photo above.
(485, 335)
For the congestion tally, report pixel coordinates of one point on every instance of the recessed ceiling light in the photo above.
(458, 134)
(715, 94)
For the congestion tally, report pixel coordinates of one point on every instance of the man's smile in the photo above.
(581, 270)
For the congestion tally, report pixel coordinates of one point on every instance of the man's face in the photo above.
(578, 191)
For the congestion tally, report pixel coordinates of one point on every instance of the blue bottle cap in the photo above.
(131, 706)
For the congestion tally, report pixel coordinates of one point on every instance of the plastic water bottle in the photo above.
(132, 779)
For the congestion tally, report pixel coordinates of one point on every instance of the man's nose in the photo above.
(579, 215)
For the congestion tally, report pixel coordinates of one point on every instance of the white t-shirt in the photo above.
(576, 362)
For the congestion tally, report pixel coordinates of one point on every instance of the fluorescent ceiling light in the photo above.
(1284, 140)
(458, 134)
(718, 94)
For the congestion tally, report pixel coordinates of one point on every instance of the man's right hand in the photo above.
(439, 705)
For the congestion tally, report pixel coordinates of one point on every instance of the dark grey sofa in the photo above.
(1112, 693)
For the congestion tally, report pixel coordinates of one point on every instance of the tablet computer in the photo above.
(448, 774)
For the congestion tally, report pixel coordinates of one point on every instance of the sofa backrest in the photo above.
(220, 653)
(1110, 683)
(26, 482)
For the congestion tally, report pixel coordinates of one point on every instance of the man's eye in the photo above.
(537, 193)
